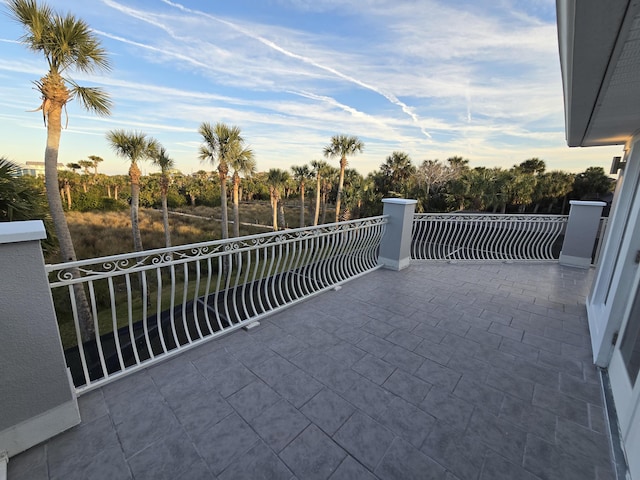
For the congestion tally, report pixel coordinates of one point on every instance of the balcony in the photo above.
(459, 370)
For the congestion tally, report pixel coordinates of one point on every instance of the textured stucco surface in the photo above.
(33, 373)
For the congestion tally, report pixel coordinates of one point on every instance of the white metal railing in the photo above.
(486, 237)
(148, 305)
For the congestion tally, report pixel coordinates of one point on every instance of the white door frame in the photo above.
(616, 268)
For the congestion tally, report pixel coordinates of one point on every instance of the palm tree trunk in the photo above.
(223, 204)
(67, 189)
(236, 210)
(134, 173)
(324, 206)
(165, 220)
(67, 252)
(115, 192)
(274, 211)
(317, 213)
(281, 220)
(343, 165)
(302, 204)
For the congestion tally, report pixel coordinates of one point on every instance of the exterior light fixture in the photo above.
(616, 165)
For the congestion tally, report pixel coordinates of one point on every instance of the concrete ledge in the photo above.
(399, 201)
(33, 431)
(14, 232)
(569, 261)
(586, 203)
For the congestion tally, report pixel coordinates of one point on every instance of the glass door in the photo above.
(625, 382)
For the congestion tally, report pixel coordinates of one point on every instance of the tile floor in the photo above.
(441, 371)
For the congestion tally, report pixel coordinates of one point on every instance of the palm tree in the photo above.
(397, 172)
(276, 179)
(318, 167)
(329, 174)
(95, 160)
(243, 163)
(67, 44)
(341, 146)
(301, 174)
(162, 160)
(221, 144)
(19, 200)
(86, 165)
(134, 146)
(66, 180)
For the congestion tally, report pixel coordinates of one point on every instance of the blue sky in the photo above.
(433, 78)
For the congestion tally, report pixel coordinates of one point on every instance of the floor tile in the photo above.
(368, 396)
(165, 459)
(447, 407)
(220, 444)
(458, 451)
(364, 438)
(499, 468)
(403, 462)
(297, 388)
(373, 368)
(253, 399)
(438, 375)
(498, 434)
(260, 463)
(328, 411)
(407, 421)
(410, 388)
(350, 469)
(313, 455)
(279, 424)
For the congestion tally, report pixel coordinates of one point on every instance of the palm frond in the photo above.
(93, 99)
(36, 20)
(132, 145)
(75, 45)
(162, 160)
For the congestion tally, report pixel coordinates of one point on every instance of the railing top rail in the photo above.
(217, 247)
(490, 216)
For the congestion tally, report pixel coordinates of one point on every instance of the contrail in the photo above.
(389, 96)
(149, 47)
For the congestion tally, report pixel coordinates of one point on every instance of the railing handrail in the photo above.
(162, 256)
(490, 216)
(145, 306)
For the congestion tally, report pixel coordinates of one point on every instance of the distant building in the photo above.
(33, 169)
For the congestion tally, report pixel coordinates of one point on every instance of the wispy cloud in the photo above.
(389, 96)
(434, 78)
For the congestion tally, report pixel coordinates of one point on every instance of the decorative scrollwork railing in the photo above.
(145, 306)
(487, 237)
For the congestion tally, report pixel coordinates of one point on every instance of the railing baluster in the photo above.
(114, 325)
(489, 237)
(266, 272)
(163, 345)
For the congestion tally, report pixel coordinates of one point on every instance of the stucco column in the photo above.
(36, 398)
(580, 237)
(395, 248)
